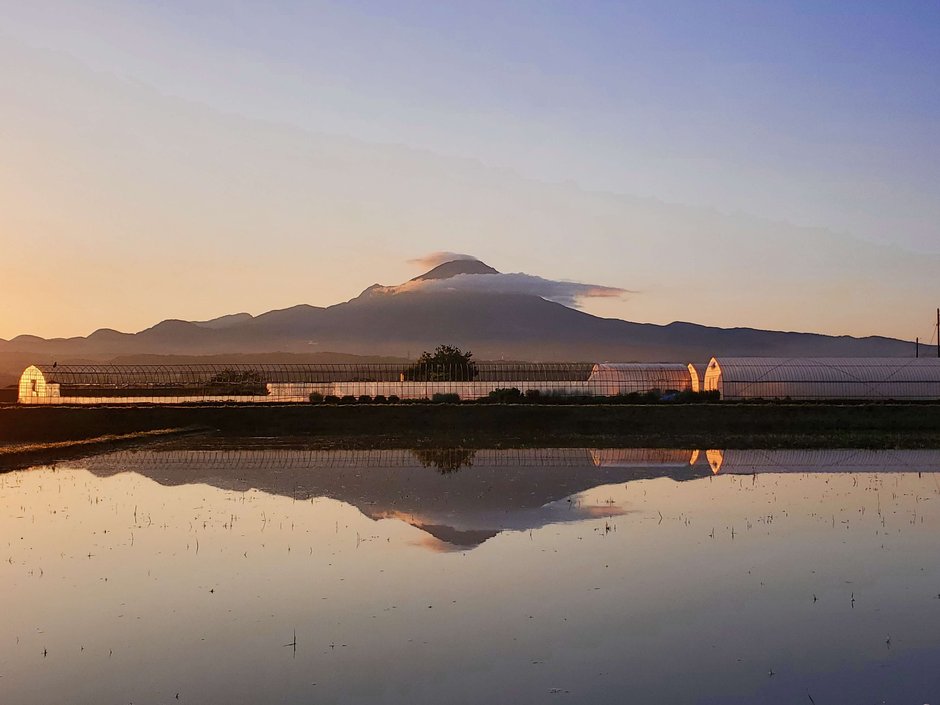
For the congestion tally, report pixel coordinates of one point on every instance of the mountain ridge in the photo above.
(401, 322)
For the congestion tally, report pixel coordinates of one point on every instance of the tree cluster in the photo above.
(446, 364)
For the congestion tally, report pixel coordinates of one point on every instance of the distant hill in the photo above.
(401, 322)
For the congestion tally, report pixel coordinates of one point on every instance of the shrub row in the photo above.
(513, 395)
(317, 398)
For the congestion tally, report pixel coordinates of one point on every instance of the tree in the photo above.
(446, 460)
(446, 364)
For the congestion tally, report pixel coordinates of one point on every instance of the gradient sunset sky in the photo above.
(774, 165)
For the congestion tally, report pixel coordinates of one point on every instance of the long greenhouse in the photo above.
(267, 383)
(873, 379)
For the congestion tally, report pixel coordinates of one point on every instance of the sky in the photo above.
(772, 165)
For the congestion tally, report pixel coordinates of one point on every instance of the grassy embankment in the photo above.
(500, 425)
(21, 454)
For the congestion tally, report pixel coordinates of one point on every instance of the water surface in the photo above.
(244, 575)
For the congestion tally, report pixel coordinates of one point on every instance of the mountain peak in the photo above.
(455, 267)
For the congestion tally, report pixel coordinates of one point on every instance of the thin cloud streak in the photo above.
(568, 293)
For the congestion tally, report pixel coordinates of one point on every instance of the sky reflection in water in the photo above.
(568, 575)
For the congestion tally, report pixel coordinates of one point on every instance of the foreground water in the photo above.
(595, 576)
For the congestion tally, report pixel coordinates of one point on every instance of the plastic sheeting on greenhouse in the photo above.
(824, 378)
(611, 378)
(697, 372)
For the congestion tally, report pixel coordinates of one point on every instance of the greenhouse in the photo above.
(78, 384)
(285, 383)
(612, 378)
(875, 379)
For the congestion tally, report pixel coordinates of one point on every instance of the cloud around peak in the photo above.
(563, 292)
(567, 293)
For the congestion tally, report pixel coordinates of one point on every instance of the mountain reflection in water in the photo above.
(475, 494)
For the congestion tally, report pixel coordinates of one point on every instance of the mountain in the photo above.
(444, 305)
(452, 269)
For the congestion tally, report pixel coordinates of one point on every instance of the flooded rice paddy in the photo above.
(250, 574)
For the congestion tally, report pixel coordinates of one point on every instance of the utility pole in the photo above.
(916, 347)
(938, 332)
